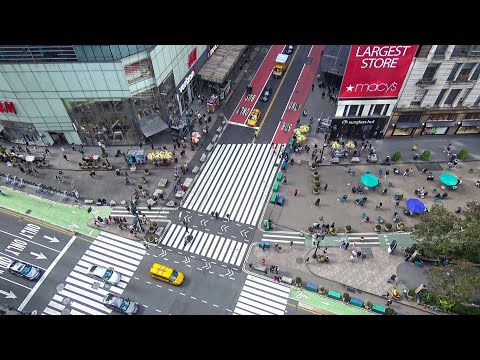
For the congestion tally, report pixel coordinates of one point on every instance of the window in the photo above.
(452, 96)
(353, 110)
(464, 96)
(97, 51)
(345, 110)
(472, 116)
(440, 97)
(440, 51)
(377, 109)
(409, 118)
(360, 110)
(454, 71)
(465, 72)
(477, 102)
(107, 55)
(420, 94)
(385, 109)
(476, 73)
(89, 53)
(441, 117)
(430, 72)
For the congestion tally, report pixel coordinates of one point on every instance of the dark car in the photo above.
(25, 270)
(289, 49)
(266, 94)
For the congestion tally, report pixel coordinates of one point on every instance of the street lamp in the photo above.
(319, 238)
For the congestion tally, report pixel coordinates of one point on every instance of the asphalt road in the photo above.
(40, 246)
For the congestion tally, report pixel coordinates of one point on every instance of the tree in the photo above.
(459, 282)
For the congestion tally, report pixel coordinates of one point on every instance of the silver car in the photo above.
(25, 270)
(101, 273)
(120, 304)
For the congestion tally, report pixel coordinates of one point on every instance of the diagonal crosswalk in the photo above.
(204, 244)
(262, 297)
(155, 213)
(236, 180)
(108, 250)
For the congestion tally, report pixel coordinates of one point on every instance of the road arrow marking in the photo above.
(52, 239)
(244, 232)
(187, 260)
(204, 221)
(39, 256)
(207, 265)
(162, 253)
(187, 218)
(8, 295)
(224, 227)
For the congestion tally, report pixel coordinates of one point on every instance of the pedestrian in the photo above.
(47, 151)
(291, 243)
(384, 192)
(325, 187)
(362, 238)
(296, 192)
(313, 86)
(424, 170)
(414, 147)
(284, 180)
(63, 150)
(363, 256)
(58, 179)
(228, 217)
(275, 245)
(379, 206)
(307, 259)
(392, 279)
(325, 250)
(389, 302)
(216, 215)
(92, 174)
(174, 188)
(397, 204)
(323, 95)
(65, 157)
(387, 172)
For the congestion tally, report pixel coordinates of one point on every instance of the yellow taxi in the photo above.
(254, 117)
(167, 274)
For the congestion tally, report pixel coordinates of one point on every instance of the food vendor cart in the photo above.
(136, 156)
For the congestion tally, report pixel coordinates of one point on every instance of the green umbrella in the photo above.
(369, 180)
(448, 179)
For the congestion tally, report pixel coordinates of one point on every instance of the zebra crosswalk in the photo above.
(284, 237)
(204, 244)
(154, 213)
(236, 180)
(84, 297)
(368, 238)
(262, 297)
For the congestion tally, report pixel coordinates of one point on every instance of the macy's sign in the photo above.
(7, 107)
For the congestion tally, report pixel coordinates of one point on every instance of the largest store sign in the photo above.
(7, 107)
(376, 71)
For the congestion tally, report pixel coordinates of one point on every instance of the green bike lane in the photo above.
(71, 217)
(324, 305)
(384, 239)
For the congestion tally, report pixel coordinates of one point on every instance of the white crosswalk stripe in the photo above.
(262, 297)
(108, 250)
(209, 245)
(236, 180)
(368, 238)
(283, 237)
(154, 213)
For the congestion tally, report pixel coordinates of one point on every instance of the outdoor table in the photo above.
(179, 194)
(355, 159)
(162, 183)
(151, 202)
(29, 158)
(187, 182)
(158, 192)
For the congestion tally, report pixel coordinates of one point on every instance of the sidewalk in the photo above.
(365, 280)
(73, 218)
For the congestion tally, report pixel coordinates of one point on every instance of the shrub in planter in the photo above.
(104, 164)
(298, 281)
(311, 230)
(315, 174)
(140, 187)
(411, 294)
(316, 190)
(397, 156)
(80, 164)
(109, 166)
(426, 155)
(348, 229)
(377, 227)
(146, 171)
(316, 183)
(346, 297)
(95, 165)
(400, 226)
(150, 238)
(104, 154)
(313, 166)
(388, 227)
(367, 304)
(322, 290)
(90, 164)
(316, 178)
(463, 154)
(389, 311)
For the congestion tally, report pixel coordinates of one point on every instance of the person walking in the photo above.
(307, 259)
(291, 243)
(387, 172)
(325, 187)
(384, 192)
(397, 204)
(296, 192)
(65, 157)
(92, 174)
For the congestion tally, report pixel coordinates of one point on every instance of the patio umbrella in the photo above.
(151, 156)
(304, 128)
(415, 205)
(350, 144)
(448, 179)
(301, 138)
(369, 180)
(335, 145)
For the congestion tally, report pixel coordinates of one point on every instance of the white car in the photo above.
(101, 273)
(120, 304)
(25, 270)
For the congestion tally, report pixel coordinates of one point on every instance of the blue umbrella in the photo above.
(415, 205)
(448, 179)
(369, 180)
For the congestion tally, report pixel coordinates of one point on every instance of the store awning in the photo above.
(405, 125)
(466, 123)
(440, 123)
(152, 124)
(219, 65)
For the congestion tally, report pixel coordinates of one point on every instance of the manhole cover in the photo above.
(299, 260)
(66, 311)
(95, 285)
(66, 300)
(28, 211)
(60, 287)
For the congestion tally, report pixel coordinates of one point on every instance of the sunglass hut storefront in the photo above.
(358, 128)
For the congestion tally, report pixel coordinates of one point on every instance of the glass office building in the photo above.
(83, 94)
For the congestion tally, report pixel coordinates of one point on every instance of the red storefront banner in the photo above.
(376, 71)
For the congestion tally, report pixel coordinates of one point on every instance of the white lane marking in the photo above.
(44, 276)
(145, 305)
(148, 282)
(122, 239)
(182, 294)
(192, 297)
(51, 311)
(30, 241)
(240, 311)
(158, 286)
(261, 308)
(158, 310)
(263, 300)
(114, 245)
(170, 290)
(117, 249)
(216, 305)
(203, 301)
(115, 255)
(242, 254)
(13, 282)
(269, 283)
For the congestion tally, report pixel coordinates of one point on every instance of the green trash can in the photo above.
(266, 225)
(279, 176)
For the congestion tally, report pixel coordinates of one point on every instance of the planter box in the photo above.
(311, 287)
(356, 302)
(334, 295)
(378, 309)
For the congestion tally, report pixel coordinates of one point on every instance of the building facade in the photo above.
(85, 94)
(441, 95)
